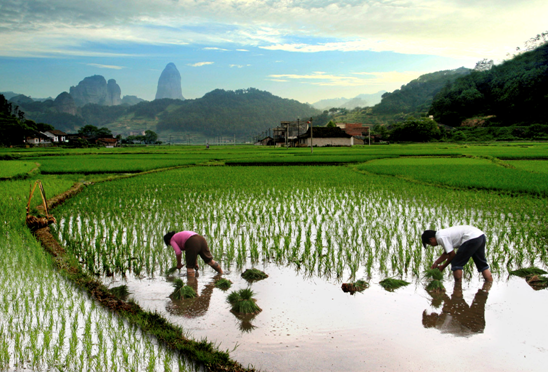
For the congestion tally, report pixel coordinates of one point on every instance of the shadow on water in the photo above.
(456, 316)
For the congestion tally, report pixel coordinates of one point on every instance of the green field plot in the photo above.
(9, 169)
(328, 221)
(536, 166)
(113, 163)
(462, 173)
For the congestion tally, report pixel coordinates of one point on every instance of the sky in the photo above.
(307, 50)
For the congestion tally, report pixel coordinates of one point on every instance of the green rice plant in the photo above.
(434, 274)
(525, 272)
(391, 284)
(171, 271)
(242, 302)
(182, 291)
(223, 284)
(254, 274)
(435, 286)
(120, 291)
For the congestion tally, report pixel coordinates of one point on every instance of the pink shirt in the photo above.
(179, 239)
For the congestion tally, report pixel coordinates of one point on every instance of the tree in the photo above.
(418, 130)
(92, 131)
(150, 137)
(331, 124)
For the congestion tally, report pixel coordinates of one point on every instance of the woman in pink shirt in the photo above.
(193, 245)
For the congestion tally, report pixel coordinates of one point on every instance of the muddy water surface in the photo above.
(309, 324)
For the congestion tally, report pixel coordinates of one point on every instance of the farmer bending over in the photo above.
(470, 242)
(193, 245)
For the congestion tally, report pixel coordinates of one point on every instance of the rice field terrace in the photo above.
(309, 229)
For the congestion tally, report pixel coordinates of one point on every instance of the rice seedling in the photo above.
(223, 284)
(120, 291)
(242, 302)
(171, 271)
(537, 282)
(182, 291)
(391, 284)
(525, 272)
(254, 274)
(434, 274)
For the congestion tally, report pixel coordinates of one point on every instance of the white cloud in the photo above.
(199, 64)
(242, 50)
(215, 49)
(370, 79)
(239, 66)
(463, 28)
(106, 66)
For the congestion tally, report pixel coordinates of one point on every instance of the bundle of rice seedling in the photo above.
(435, 286)
(171, 271)
(524, 272)
(254, 275)
(182, 291)
(392, 284)
(120, 291)
(223, 284)
(242, 302)
(353, 287)
(434, 274)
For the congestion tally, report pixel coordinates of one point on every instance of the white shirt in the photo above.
(454, 237)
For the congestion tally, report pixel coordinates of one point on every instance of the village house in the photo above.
(56, 136)
(293, 129)
(326, 136)
(359, 131)
(38, 138)
(107, 142)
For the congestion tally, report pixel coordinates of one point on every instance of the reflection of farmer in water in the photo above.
(457, 317)
(193, 307)
(193, 245)
(470, 242)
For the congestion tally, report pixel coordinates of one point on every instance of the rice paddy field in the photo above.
(352, 215)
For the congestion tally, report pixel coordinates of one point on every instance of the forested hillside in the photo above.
(417, 95)
(240, 113)
(514, 92)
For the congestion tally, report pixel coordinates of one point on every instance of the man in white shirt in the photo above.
(470, 242)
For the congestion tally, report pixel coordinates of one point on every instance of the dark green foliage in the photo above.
(101, 115)
(242, 302)
(182, 291)
(120, 291)
(416, 96)
(524, 272)
(254, 275)
(223, 284)
(434, 274)
(417, 130)
(171, 271)
(392, 284)
(515, 91)
(92, 131)
(221, 113)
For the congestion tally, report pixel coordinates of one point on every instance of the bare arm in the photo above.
(447, 258)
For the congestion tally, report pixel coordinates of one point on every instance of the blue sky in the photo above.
(306, 50)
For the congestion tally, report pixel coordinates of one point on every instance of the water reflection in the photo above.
(456, 317)
(193, 307)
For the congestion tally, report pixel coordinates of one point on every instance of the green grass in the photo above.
(531, 166)
(462, 173)
(12, 169)
(392, 284)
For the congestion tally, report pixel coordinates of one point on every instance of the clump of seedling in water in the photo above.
(120, 291)
(353, 287)
(243, 303)
(223, 284)
(171, 271)
(392, 284)
(436, 280)
(533, 277)
(254, 274)
(182, 291)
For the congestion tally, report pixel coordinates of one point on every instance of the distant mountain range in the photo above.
(362, 100)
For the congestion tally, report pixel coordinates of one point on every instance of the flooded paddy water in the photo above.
(311, 229)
